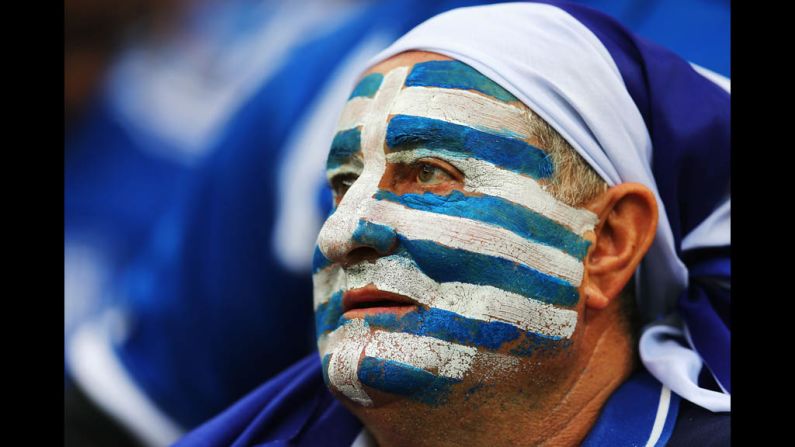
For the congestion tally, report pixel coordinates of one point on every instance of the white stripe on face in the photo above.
(335, 235)
(326, 282)
(483, 177)
(346, 345)
(485, 303)
(350, 342)
(440, 357)
(475, 237)
(445, 358)
(354, 111)
(346, 353)
(463, 107)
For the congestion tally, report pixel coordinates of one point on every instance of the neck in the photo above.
(543, 412)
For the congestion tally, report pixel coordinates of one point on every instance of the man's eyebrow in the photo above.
(345, 145)
(457, 75)
(409, 132)
(368, 86)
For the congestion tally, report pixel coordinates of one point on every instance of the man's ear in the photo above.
(627, 225)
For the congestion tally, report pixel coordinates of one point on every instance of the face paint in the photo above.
(493, 267)
(457, 75)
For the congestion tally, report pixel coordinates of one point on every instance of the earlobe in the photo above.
(594, 298)
(627, 225)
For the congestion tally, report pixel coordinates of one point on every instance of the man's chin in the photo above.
(376, 367)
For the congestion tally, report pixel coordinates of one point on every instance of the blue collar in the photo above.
(640, 412)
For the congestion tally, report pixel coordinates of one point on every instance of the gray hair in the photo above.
(575, 183)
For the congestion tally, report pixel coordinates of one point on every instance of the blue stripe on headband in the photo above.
(444, 264)
(405, 380)
(455, 74)
(368, 85)
(345, 145)
(496, 211)
(409, 132)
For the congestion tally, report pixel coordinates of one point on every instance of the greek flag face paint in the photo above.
(445, 263)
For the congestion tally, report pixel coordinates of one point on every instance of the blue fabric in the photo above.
(688, 119)
(700, 427)
(697, 30)
(628, 416)
(295, 408)
(709, 332)
(97, 199)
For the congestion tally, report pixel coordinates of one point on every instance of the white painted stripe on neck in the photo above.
(475, 237)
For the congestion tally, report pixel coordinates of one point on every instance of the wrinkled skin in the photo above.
(550, 394)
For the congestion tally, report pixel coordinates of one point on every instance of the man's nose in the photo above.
(349, 239)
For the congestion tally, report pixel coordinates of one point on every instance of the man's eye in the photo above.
(341, 183)
(429, 174)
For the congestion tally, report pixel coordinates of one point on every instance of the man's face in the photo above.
(445, 267)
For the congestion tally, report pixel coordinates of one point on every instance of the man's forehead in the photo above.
(406, 59)
(434, 89)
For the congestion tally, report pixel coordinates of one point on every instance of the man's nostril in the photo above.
(380, 238)
(361, 254)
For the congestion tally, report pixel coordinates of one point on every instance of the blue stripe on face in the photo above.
(496, 211)
(368, 85)
(452, 327)
(405, 380)
(327, 315)
(455, 74)
(345, 145)
(410, 132)
(319, 260)
(379, 237)
(444, 264)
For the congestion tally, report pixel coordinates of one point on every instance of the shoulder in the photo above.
(643, 411)
(294, 408)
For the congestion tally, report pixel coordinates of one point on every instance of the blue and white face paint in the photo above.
(487, 274)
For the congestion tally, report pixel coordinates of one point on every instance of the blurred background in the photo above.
(194, 151)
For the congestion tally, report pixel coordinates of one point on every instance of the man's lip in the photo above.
(369, 299)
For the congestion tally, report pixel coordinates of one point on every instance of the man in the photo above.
(493, 197)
